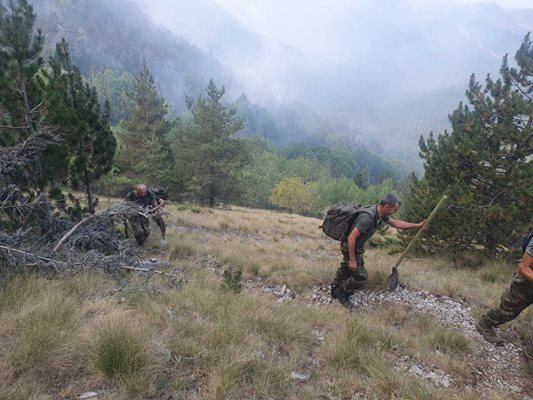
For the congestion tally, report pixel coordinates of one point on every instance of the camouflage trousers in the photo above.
(140, 227)
(161, 224)
(516, 299)
(348, 280)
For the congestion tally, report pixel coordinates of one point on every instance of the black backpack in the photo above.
(159, 193)
(339, 218)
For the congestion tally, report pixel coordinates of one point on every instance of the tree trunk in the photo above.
(490, 242)
(89, 191)
(212, 193)
(27, 109)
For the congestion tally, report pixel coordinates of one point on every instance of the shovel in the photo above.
(394, 279)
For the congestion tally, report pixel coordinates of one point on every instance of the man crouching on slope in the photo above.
(352, 274)
(141, 225)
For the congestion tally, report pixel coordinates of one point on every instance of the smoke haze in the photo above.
(372, 64)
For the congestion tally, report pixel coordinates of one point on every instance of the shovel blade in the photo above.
(394, 280)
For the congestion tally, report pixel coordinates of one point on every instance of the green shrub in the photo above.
(232, 279)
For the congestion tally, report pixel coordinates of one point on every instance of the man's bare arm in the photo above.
(525, 268)
(399, 224)
(352, 240)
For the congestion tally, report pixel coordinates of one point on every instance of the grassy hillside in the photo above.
(130, 335)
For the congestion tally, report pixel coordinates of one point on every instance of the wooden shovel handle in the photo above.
(424, 227)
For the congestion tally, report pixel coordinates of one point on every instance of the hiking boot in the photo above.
(141, 238)
(486, 328)
(333, 291)
(344, 298)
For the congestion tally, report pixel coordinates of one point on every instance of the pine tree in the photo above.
(143, 151)
(20, 61)
(484, 163)
(115, 87)
(72, 106)
(212, 155)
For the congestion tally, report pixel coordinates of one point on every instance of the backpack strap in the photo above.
(525, 241)
(349, 228)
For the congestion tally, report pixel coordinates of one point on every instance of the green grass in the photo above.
(435, 338)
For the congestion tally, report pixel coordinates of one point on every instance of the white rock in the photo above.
(439, 380)
(88, 396)
(281, 292)
(415, 369)
(298, 378)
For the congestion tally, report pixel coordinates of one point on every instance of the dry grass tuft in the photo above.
(121, 349)
(182, 246)
(41, 332)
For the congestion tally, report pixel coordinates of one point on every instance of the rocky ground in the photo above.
(497, 367)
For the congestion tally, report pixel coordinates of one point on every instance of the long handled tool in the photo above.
(394, 279)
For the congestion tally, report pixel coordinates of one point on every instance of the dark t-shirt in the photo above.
(144, 201)
(368, 224)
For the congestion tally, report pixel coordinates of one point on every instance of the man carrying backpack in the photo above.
(352, 274)
(141, 225)
(516, 299)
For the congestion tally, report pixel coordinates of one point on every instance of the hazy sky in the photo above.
(506, 3)
(311, 24)
(253, 10)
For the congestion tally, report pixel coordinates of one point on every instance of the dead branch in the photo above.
(13, 127)
(32, 255)
(123, 210)
(149, 270)
(17, 160)
(70, 232)
(151, 211)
